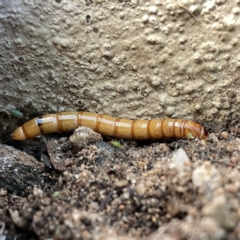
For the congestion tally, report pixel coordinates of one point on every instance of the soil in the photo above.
(164, 189)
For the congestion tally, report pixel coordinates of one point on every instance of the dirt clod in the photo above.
(175, 190)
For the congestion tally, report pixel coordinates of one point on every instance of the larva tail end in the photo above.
(18, 134)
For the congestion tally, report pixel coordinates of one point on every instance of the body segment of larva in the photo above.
(110, 126)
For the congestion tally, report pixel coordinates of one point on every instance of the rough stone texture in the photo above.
(126, 58)
(19, 172)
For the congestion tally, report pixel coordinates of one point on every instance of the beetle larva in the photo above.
(110, 126)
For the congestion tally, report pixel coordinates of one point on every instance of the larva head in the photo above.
(197, 131)
(204, 133)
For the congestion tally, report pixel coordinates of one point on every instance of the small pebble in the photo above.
(3, 192)
(234, 160)
(231, 188)
(121, 207)
(120, 183)
(219, 211)
(83, 136)
(140, 188)
(206, 176)
(181, 161)
(224, 135)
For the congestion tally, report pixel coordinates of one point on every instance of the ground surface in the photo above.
(143, 190)
(128, 58)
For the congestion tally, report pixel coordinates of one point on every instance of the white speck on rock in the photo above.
(206, 176)
(181, 161)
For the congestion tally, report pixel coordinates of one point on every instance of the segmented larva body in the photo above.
(110, 126)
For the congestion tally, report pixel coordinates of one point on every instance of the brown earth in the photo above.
(139, 190)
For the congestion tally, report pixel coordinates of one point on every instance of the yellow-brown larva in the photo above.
(111, 126)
